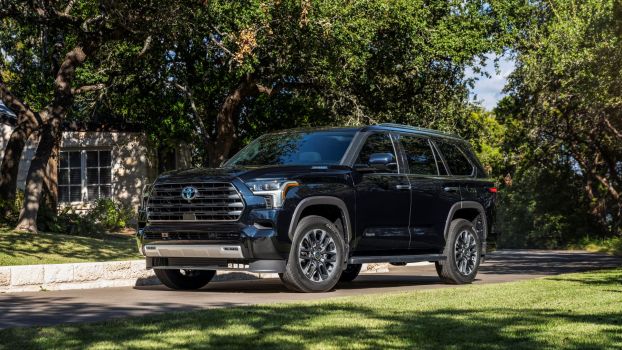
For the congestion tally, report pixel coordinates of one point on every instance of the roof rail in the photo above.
(414, 128)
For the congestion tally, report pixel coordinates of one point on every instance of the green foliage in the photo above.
(324, 63)
(611, 245)
(539, 211)
(564, 103)
(105, 215)
(11, 210)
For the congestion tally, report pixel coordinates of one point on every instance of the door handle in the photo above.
(402, 187)
(451, 189)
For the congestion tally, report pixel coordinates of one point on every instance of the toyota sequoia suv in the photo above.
(313, 205)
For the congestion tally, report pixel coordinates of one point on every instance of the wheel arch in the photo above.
(465, 210)
(315, 205)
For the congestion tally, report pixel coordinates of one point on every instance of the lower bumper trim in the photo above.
(220, 251)
(260, 266)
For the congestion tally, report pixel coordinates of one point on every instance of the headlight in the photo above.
(274, 190)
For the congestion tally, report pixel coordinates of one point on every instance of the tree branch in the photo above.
(220, 45)
(264, 89)
(88, 88)
(146, 46)
(195, 112)
(613, 128)
(17, 105)
(69, 7)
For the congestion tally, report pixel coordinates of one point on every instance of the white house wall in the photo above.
(133, 162)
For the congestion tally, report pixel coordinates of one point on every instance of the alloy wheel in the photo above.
(317, 255)
(465, 252)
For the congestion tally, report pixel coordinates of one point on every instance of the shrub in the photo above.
(11, 209)
(106, 215)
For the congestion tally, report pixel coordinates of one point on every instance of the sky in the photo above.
(487, 91)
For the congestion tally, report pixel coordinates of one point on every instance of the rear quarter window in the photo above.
(456, 160)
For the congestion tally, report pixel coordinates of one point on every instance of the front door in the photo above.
(382, 200)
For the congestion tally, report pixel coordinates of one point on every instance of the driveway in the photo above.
(49, 308)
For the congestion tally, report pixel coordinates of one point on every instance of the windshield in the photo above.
(295, 148)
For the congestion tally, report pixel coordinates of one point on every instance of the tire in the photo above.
(184, 279)
(316, 256)
(463, 250)
(350, 272)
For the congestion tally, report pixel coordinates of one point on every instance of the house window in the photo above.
(70, 177)
(84, 175)
(98, 174)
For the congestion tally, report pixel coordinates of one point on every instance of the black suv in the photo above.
(313, 205)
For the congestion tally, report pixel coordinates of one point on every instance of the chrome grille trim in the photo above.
(215, 202)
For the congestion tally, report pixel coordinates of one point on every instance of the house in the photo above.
(99, 161)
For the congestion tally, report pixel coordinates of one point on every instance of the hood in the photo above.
(245, 174)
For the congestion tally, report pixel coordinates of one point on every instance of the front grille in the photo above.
(214, 201)
(192, 236)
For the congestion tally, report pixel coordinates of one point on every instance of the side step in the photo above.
(395, 258)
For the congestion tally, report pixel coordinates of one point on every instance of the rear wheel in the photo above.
(316, 257)
(184, 279)
(350, 272)
(463, 250)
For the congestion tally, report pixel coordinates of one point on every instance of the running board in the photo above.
(396, 258)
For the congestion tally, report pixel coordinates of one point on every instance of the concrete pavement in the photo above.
(49, 308)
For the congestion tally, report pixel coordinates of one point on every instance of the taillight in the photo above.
(492, 189)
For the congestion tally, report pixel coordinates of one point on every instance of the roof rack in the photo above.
(418, 129)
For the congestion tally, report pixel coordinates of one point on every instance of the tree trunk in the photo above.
(27, 123)
(10, 162)
(221, 145)
(50, 134)
(50, 138)
(52, 178)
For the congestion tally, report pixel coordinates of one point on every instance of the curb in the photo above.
(34, 278)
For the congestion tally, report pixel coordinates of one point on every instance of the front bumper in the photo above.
(252, 244)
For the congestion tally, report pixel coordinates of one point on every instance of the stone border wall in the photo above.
(32, 278)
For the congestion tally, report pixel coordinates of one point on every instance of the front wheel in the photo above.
(316, 256)
(184, 279)
(463, 250)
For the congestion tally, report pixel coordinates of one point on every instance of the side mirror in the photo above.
(382, 161)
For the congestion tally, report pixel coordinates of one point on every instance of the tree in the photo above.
(353, 63)
(61, 36)
(564, 100)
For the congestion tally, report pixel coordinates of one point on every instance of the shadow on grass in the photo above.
(600, 279)
(30, 247)
(326, 325)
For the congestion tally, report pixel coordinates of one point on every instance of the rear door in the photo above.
(382, 200)
(460, 168)
(427, 198)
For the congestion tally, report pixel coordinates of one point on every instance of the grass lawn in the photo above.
(45, 248)
(575, 311)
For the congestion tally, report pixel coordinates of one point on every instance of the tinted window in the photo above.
(375, 143)
(419, 155)
(321, 147)
(456, 160)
